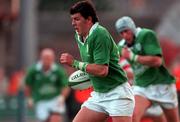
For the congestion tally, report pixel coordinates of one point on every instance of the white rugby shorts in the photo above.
(163, 94)
(117, 102)
(44, 108)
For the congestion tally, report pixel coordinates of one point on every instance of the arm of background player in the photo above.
(150, 60)
(30, 101)
(152, 50)
(63, 95)
(28, 87)
(153, 61)
(65, 92)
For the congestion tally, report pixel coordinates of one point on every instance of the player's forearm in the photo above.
(97, 70)
(130, 75)
(65, 92)
(28, 91)
(94, 69)
(153, 61)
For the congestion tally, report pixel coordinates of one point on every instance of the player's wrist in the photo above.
(61, 98)
(79, 65)
(133, 57)
(29, 98)
(30, 101)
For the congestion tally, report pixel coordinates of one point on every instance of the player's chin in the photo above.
(62, 62)
(79, 33)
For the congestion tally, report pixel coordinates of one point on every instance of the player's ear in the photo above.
(89, 18)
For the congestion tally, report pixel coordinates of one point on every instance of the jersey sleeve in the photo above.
(151, 45)
(63, 80)
(101, 53)
(29, 77)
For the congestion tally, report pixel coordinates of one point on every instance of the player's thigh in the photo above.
(141, 104)
(56, 117)
(122, 119)
(87, 115)
(172, 114)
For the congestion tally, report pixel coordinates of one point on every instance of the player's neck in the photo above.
(46, 68)
(86, 34)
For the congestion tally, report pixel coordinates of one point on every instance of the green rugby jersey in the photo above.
(100, 48)
(146, 43)
(47, 85)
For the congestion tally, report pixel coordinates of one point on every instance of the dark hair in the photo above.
(86, 9)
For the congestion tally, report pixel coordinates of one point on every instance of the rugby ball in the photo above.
(79, 80)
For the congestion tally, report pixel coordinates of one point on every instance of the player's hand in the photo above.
(126, 53)
(61, 100)
(30, 102)
(129, 55)
(66, 58)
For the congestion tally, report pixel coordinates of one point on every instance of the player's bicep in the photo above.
(151, 45)
(28, 81)
(101, 51)
(63, 78)
(29, 78)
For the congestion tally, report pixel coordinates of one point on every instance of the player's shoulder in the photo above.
(146, 31)
(101, 30)
(57, 67)
(32, 69)
(101, 35)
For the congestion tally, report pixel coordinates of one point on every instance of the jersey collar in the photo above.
(39, 66)
(92, 29)
(90, 32)
(138, 30)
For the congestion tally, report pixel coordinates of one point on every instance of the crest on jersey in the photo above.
(138, 46)
(53, 78)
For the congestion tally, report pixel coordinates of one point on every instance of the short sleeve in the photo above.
(102, 49)
(29, 77)
(151, 45)
(63, 79)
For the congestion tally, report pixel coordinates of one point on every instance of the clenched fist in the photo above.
(126, 53)
(66, 58)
